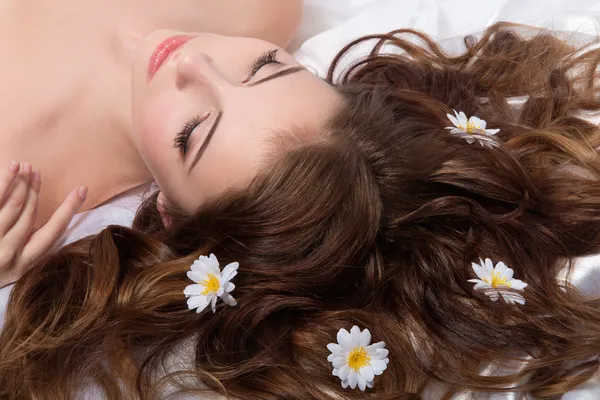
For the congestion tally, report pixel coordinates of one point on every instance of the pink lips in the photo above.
(163, 51)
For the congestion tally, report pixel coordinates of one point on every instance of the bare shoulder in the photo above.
(275, 21)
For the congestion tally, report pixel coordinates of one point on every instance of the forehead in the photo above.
(298, 99)
(254, 121)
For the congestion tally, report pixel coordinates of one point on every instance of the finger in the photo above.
(36, 181)
(14, 202)
(18, 234)
(45, 237)
(8, 178)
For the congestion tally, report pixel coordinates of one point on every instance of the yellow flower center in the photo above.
(211, 284)
(358, 358)
(471, 126)
(497, 281)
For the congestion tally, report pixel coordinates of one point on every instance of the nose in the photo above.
(198, 68)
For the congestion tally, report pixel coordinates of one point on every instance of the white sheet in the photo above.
(440, 18)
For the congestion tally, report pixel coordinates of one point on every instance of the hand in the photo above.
(21, 246)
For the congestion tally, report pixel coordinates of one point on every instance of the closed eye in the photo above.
(182, 138)
(266, 58)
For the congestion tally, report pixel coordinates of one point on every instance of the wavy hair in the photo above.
(374, 224)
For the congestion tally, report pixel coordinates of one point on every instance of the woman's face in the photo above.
(207, 108)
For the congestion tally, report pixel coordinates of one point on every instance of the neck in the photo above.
(91, 116)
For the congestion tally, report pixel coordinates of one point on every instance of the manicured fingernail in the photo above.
(14, 166)
(82, 192)
(36, 176)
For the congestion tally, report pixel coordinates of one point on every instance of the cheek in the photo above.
(155, 129)
(155, 141)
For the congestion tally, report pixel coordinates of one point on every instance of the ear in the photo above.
(161, 206)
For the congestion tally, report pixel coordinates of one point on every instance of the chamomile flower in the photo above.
(472, 129)
(496, 282)
(211, 283)
(355, 360)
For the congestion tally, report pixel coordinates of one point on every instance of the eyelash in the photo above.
(268, 57)
(181, 139)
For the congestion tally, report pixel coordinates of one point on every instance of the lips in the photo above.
(163, 51)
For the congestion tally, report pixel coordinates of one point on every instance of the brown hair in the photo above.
(375, 226)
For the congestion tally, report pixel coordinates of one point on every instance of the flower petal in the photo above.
(381, 354)
(453, 119)
(378, 366)
(500, 269)
(355, 336)
(479, 285)
(334, 348)
(489, 267)
(229, 272)
(365, 338)
(517, 284)
(339, 362)
(362, 383)
(213, 265)
(475, 122)
(345, 384)
(198, 265)
(512, 298)
(202, 264)
(197, 302)
(196, 276)
(493, 295)
(344, 372)
(378, 345)
(193, 290)
(370, 384)
(508, 274)
(228, 299)
(491, 132)
(480, 271)
(367, 373)
(343, 338)
(228, 287)
(353, 379)
(213, 304)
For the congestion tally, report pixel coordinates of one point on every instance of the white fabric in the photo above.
(440, 18)
(331, 24)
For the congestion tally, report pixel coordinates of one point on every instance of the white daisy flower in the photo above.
(494, 280)
(472, 129)
(355, 360)
(210, 284)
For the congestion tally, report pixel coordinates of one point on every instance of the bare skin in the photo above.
(66, 82)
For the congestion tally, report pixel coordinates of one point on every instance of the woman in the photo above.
(67, 81)
(67, 84)
(370, 213)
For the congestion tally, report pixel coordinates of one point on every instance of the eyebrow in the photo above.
(279, 74)
(206, 141)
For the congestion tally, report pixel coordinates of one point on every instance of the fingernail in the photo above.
(36, 176)
(26, 167)
(13, 166)
(82, 192)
